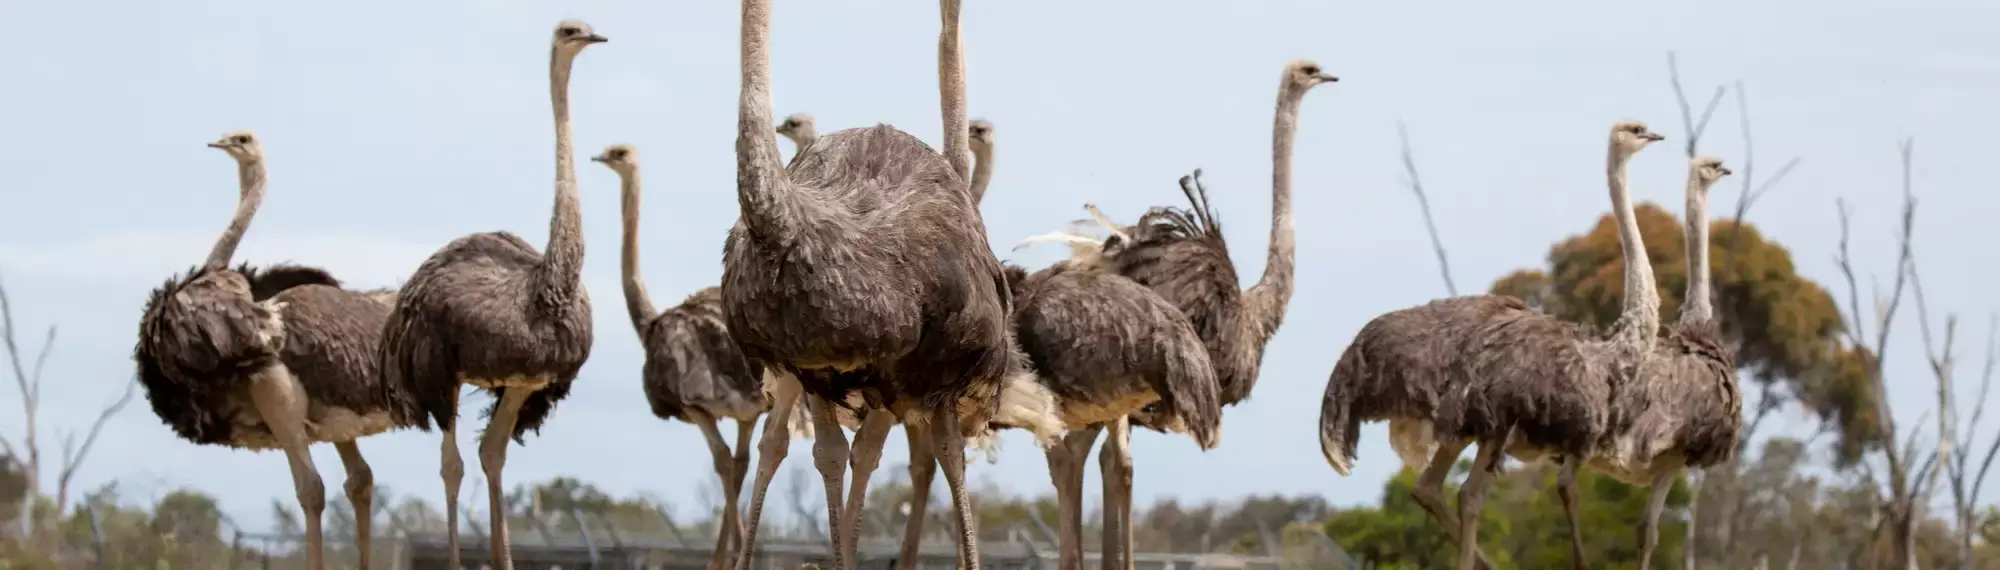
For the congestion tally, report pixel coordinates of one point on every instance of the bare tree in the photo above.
(1953, 457)
(29, 450)
(1900, 508)
(1423, 202)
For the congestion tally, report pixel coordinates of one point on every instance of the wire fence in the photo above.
(580, 540)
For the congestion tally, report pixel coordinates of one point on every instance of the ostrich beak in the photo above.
(215, 145)
(595, 39)
(1655, 137)
(1328, 78)
(598, 158)
(1725, 171)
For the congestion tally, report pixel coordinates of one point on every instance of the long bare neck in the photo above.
(982, 171)
(250, 178)
(1697, 305)
(562, 259)
(637, 303)
(951, 92)
(760, 178)
(1273, 292)
(1640, 320)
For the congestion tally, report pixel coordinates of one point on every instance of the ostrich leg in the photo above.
(282, 402)
(1115, 466)
(865, 457)
(771, 449)
(452, 470)
(949, 442)
(1066, 464)
(492, 458)
(1429, 493)
(830, 453)
(732, 506)
(1566, 488)
(1649, 528)
(360, 493)
(725, 466)
(923, 465)
(1470, 497)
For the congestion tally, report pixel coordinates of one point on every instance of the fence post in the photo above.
(96, 533)
(584, 529)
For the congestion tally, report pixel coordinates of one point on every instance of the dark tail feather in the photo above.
(1188, 389)
(1339, 429)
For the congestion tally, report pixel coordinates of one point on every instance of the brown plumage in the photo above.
(863, 269)
(1105, 346)
(272, 358)
(1395, 370)
(490, 311)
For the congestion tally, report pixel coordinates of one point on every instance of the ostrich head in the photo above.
(241, 145)
(622, 158)
(1628, 136)
(1709, 169)
(982, 135)
(798, 127)
(572, 36)
(1303, 74)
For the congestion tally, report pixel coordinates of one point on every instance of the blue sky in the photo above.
(395, 127)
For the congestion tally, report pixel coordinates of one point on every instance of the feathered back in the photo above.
(199, 334)
(1093, 338)
(1545, 378)
(1699, 388)
(691, 362)
(1182, 256)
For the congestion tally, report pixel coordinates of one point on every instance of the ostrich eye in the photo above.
(617, 154)
(567, 32)
(242, 139)
(1311, 70)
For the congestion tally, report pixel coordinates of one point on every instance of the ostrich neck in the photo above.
(951, 92)
(637, 302)
(982, 172)
(767, 210)
(1273, 291)
(250, 178)
(1698, 304)
(562, 259)
(1640, 320)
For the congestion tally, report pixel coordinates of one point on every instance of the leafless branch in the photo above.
(1693, 127)
(1746, 174)
(1423, 202)
(73, 461)
(1985, 381)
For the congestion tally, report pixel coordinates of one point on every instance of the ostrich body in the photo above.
(1489, 370)
(1684, 410)
(1106, 347)
(694, 372)
(864, 272)
(272, 358)
(490, 311)
(799, 128)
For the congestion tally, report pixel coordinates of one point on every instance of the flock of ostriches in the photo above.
(859, 281)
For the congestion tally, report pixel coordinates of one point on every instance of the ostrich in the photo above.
(860, 273)
(1104, 347)
(1182, 257)
(694, 372)
(490, 311)
(1684, 410)
(270, 358)
(1434, 369)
